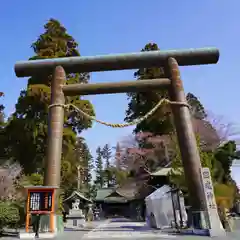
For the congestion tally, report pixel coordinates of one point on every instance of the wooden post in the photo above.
(186, 138)
(27, 212)
(55, 132)
(79, 178)
(52, 211)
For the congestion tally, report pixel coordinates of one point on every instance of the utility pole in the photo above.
(78, 177)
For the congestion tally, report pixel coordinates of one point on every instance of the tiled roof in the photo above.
(77, 194)
(115, 199)
(134, 190)
(103, 193)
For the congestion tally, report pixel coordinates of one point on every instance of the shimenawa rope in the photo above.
(122, 125)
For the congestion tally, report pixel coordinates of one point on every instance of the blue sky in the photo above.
(106, 27)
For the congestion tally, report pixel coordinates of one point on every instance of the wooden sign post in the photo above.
(40, 201)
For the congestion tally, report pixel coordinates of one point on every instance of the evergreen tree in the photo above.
(177, 175)
(2, 133)
(196, 108)
(99, 168)
(225, 155)
(118, 157)
(78, 157)
(107, 154)
(1, 111)
(93, 192)
(141, 103)
(90, 168)
(85, 161)
(31, 113)
(118, 175)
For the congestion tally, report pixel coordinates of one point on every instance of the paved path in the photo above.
(125, 230)
(113, 229)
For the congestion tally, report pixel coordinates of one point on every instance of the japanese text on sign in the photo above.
(208, 188)
(40, 201)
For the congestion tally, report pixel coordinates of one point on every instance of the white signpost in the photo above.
(216, 228)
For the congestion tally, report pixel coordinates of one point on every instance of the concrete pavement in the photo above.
(114, 229)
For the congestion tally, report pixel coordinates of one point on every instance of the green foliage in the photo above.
(9, 214)
(1, 112)
(219, 162)
(31, 115)
(93, 191)
(223, 190)
(107, 154)
(24, 137)
(1, 116)
(142, 102)
(60, 202)
(111, 174)
(78, 156)
(86, 163)
(225, 194)
(35, 179)
(99, 168)
(3, 142)
(69, 170)
(68, 178)
(20, 204)
(196, 108)
(177, 176)
(225, 186)
(90, 167)
(119, 176)
(224, 156)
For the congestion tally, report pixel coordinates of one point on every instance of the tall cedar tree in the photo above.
(2, 135)
(118, 156)
(85, 160)
(32, 107)
(1, 111)
(142, 102)
(99, 168)
(196, 108)
(107, 154)
(225, 155)
(80, 156)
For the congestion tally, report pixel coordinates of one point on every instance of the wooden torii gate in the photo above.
(170, 60)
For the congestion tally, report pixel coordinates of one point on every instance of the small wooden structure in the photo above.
(40, 200)
(75, 209)
(76, 195)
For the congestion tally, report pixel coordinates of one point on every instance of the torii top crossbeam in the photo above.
(117, 62)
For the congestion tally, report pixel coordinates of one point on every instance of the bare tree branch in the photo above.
(144, 152)
(225, 130)
(9, 176)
